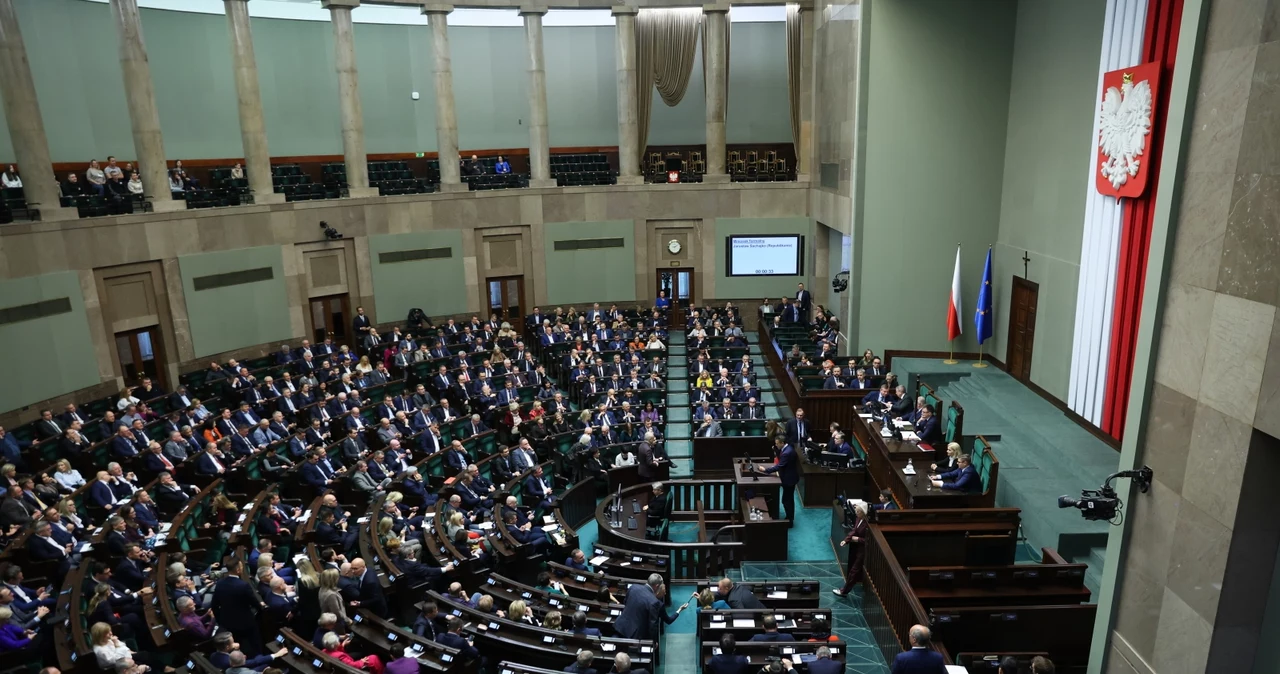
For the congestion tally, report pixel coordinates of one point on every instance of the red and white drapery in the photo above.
(1117, 234)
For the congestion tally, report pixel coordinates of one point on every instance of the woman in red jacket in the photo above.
(333, 648)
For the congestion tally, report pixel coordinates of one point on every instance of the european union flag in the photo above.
(983, 319)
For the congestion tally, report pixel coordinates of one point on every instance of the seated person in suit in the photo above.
(927, 427)
(824, 664)
(921, 659)
(839, 445)
(886, 501)
(582, 665)
(964, 478)
(904, 405)
(728, 661)
(539, 488)
(577, 560)
(771, 632)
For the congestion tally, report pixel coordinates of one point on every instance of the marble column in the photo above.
(446, 112)
(539, 150)
(344, 57)
(26, 127)
(253, 129)
(805, 153)
(144, 117)
(717, 18)
(628, 125)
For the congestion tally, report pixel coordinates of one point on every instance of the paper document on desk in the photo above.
(956, 669)
(548, 519)
(485, 525)
(599, 559)
(910, 436)
(908, 470)
(886, 433)
(744, 622)
(902, 423)
(551, 527)
(864, 415)
(780, 594)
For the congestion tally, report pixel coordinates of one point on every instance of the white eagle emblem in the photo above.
(1123, 127)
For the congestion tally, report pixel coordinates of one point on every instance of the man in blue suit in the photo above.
(728, 661)
(580, 626)
(538, 488)
(787, 468)
(964, 478)
(236, 608)
(454, 639)
(824, 664)
(771, 632)
(643, 614)
(927, 426)
(921, 659)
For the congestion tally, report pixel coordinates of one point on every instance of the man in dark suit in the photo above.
(927, 426)
(824, 664)
(582, 665)
(797, 429)
(539, 488)
(963, 479)
(48, 427)
(643, 615)
(646, 462)
(360, 325)
(728, 661)
(788, 469)
(904, 405)
(236, 609)
(371, 596)
(771, 632)
(454, 639)
(804, 300)
(921, 659)
(132, 570)
(738, 596)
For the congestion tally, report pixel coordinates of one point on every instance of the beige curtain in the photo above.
(795, 30)
(666, 40)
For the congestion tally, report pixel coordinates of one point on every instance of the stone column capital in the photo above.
(716, 7)
(339, 4)
(533, 10)
(624, 10)
(230, 1)
(436, 8)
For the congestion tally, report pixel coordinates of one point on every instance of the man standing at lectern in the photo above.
(787, 468)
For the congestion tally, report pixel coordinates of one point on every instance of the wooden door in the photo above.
(1022, 327)
(331, 317)
(506, 299)
(141, 355)
(677, 283)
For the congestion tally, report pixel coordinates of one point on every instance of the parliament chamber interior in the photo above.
(639, 336)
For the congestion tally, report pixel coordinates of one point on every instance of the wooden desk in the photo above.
(713, 458)
(766, 539)
(821, 485)
(918, 490)
(752, 484)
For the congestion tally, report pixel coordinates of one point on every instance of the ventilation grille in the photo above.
(589, 244)
(30, 312)
(233, 278)
(395, 256)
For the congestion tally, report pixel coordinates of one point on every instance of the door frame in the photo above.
(488, 308)
(693, 288)
(1034, 289)
(157, 353)
(344, 298)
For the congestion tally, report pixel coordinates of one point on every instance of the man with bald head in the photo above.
(366, 581)
(921, 659)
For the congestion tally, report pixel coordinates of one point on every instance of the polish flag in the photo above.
(953, 306)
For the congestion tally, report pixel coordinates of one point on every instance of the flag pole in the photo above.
(951, 353)
(979, 363)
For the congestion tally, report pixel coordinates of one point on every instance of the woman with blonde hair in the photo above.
(69, 478)
(113, 654)
(308, 589)
(67, 510)
(364, 367)
(12, 637)
(331, 600)
(553, 620)
(953, 456)
(519, 612)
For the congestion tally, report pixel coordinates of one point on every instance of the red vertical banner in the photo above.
(1160, 45)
